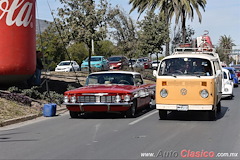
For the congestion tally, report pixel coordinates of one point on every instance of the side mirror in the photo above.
(155, 73)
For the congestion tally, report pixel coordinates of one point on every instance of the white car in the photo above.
(227, 85)
(135, 64)
(67, 66)
(155, 64)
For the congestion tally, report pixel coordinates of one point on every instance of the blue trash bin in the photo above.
(49, 110)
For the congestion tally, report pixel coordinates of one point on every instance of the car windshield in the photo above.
(186, 67)
(115, 59)
(110, 78)
(231, 71)
(94, 59)
(64, 64)
(132, 61)
(142, 60)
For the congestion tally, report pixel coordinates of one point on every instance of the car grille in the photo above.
(97, 99)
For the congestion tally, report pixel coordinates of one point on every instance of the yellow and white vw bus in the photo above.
(189, 80)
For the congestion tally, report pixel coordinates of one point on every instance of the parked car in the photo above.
(118, 62)
(227, 84)
(233, 75)
(146, 62)
(110, 91)
(135, 64)
(155, 64)
(97, 63)
(237, 68)
(67, 66)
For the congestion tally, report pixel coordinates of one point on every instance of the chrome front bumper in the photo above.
(190, 107)
(81, 105)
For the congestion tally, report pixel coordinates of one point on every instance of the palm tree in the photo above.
(226, 42)
(163, 5)
(225, 47)
(184, 9)
(168, 8)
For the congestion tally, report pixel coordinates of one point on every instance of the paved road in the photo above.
(108, 136)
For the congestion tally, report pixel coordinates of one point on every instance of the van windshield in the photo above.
(186, 67)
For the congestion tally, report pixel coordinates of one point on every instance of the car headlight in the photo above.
(163, 93)
(228, 82)
(204, 93)
(119, 64)
(118, 98)
(127, 98)
(226, 89)
(73, 99)
(65, 99)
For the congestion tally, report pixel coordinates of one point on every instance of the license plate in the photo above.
(182, 107)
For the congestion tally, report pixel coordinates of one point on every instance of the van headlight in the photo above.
(127, 98)
(65, 99)
(163, 93)
(73, 99)
(204, 93)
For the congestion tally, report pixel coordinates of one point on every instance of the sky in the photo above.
(221, 17)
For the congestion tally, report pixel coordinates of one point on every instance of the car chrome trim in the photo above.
(98, 104)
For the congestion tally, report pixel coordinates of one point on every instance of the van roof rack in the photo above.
(210, 51)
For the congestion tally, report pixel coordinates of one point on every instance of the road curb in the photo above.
(28, 117)
(19, 119)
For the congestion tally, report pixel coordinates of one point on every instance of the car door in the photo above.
(143, 93)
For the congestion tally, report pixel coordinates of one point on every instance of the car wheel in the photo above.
(219, 107)
(163, 114)
(131, 112)
(74, 114)
(212, 115)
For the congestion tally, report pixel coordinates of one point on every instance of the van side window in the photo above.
(216, 66)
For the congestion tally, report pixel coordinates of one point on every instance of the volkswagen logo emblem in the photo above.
(183, 91)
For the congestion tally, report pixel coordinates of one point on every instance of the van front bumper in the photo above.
(189, 107)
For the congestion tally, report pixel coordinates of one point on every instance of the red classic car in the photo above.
(118, 62)
(110, 91)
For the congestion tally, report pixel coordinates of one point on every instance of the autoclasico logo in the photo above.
(197, 154)
(188, 154)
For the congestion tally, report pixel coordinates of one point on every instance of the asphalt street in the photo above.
(109, 136)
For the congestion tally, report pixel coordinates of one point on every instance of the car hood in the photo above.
(61, 67)
(114, 62)
(103, 89)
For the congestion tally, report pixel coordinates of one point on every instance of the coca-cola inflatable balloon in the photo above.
(17, 40)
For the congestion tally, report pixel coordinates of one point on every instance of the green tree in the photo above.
(50, 44)
(153, 34)
(83, 21)
(168, 8)
(105, 48)
(185, 8)
(78, 52)
(225, 46)
(124, 32)
(177, 39)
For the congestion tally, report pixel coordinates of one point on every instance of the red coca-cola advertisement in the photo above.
(17, 40)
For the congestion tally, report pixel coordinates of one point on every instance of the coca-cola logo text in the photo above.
(22, 18)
